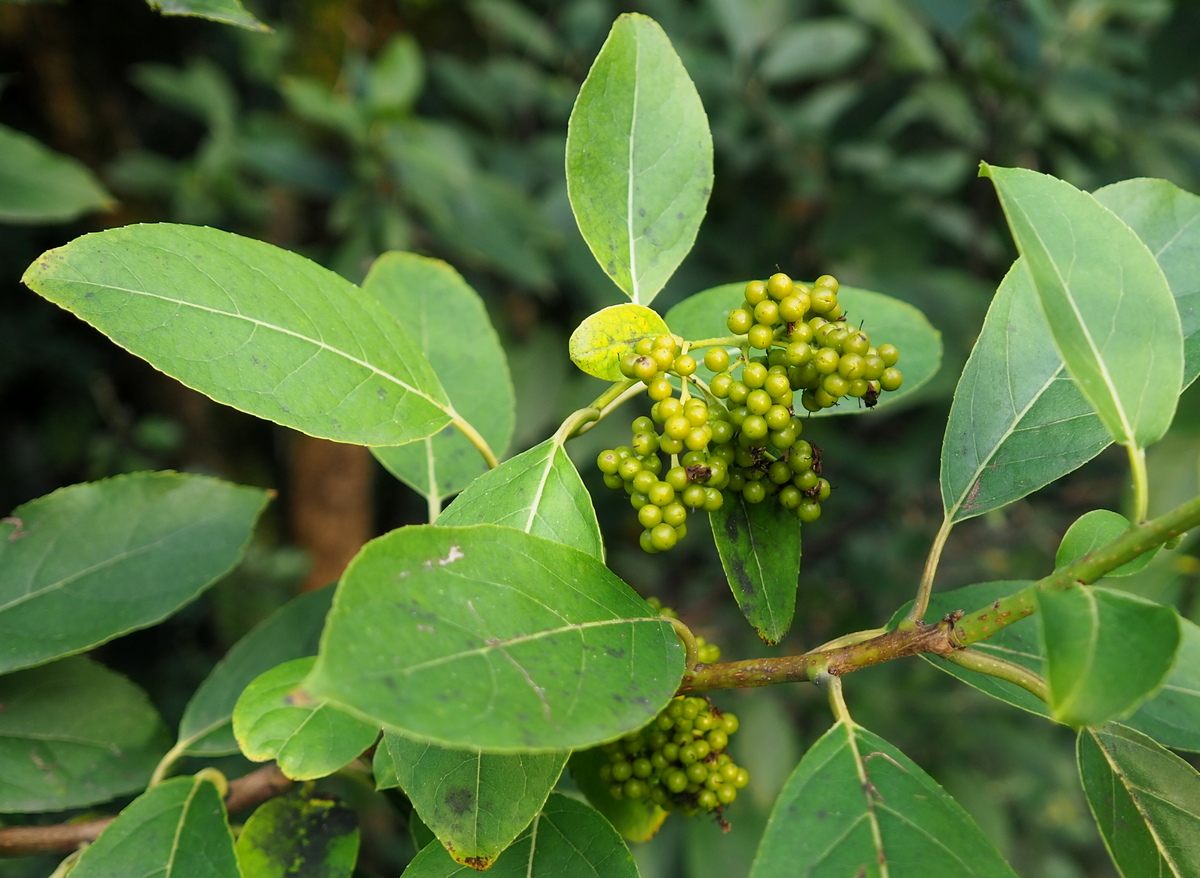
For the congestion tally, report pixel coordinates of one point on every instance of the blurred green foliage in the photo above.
(847, 137)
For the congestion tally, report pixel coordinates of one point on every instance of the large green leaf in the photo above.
(38, 185)
(1018, 421)
(855, 805)
(567, 839)
(759, 545)
(639, 158)
(447, 320)
(1146, 801)
(252, 326)
(227, 11)
(1106, 651)
(308, 739)
(292, 632)
(540, 492)
(887, 320)
(475, 803)
(299, 835)
(490, 638)
(177, 829)
(90, 562)
(1172, 716)
(1106, 300)
(74, 733)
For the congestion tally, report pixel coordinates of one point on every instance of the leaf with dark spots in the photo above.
(311, 837)
(759, 545)
(460, 800)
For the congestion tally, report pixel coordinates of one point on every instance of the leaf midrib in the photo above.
(445, 407)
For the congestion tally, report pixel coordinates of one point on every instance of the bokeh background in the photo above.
(847, 137)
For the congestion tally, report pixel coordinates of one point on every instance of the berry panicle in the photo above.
(742, 434)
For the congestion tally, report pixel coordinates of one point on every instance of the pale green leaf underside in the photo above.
(540, 492)
(567, 839)
(1146, 801)
(1106, 651)
(885, 319)
(74, 733)
(855, 805)
(447, 320)
(490, 638)
(1106, 300)
(252, 326)
(38, 185)
(475, 803)
(307, 739)
(639, 158)
(226, 11)
(94, 561)
(1018, 421)
(177, 829)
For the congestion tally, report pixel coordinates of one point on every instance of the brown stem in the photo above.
(839, 661)
(23, 841)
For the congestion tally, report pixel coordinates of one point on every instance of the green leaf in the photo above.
(485, 637)
(816, 47)
(38, 185)
(299, 835)
(1107, 302)
(397, 77)
(540, 492)
(759, 545)
(177, 829)
(1167, 219)
(309, 739)
(600, 342)
(226, 11)
(447, 320)
(94, 561)
(252, 326)
(639, 158)
(1172, 716)
(1106, 651)
(855, 805)
(1091, 531)
(292, 632)
(635, 819)
(885, 319)
(475, 803)
(74, 733)
(567, 839)
(1146, 801)
(1018, 421)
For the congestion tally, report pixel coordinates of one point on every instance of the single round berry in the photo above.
(716, 359)
(663, 537)
(760, 336)
(767, 312)
(891, 378)
(779, 286)
(608, 461)
(684, 365)
(755, 292)
(888, 353)
(739, 322)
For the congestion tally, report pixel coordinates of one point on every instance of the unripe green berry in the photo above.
(660, 388)
(809, 510)
(779, 286)
(650, 516)
(685, 364)
(676, 479)
(754, 427)
(716, 359)
(826, 360)
(766, 312)
(793, 308)
(739, 321)
(756, 291)
(754, 375)
(758, 402)
(754, 492)
(608, 461)
(760, 336)
(888, 353)
(857, 342)
(891, 378)
(674, 514)
(663, 537)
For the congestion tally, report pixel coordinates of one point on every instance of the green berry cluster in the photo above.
(678, 761)
(805, 332)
